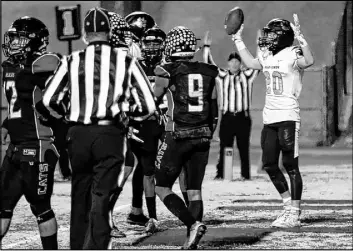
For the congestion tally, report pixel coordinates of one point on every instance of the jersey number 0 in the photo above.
(195, 86)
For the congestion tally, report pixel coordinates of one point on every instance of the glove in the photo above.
(297, 33)
(237, 36)
(132, 134)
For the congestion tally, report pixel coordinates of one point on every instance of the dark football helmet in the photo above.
(26, 36)
(153, 44)
(180, 43)
(120, 30)
(276, 35)
(139, 26)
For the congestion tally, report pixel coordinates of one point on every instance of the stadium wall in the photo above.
(320, 21)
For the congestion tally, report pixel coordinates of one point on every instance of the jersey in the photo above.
(283, 85)
(189, 92)
(149, 70)
(23, 83)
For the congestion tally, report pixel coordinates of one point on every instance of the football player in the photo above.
(283, 66)
(139, 22)
(186, 141)
(29, 163)
(150, 129)
(120, 37)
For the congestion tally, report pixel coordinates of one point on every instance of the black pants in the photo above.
(96, 155)
(236, 125)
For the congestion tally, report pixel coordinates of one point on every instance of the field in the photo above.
(238, 213)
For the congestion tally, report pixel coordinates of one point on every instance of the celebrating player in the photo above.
(186, 141)
(29, 164)
(283, 66)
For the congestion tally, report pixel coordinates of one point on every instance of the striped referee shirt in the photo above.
(101, 82)
(236, 92)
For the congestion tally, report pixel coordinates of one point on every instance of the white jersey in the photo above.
(283, 85)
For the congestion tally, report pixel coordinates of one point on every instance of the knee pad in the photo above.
(43, 212)
(293, 172)
(271, 169)
(6, 214)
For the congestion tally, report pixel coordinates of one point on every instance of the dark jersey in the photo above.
(190, 86)
(23, 83)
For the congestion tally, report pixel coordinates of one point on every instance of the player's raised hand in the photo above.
(207, 40)
(237, 36)
(297, 32)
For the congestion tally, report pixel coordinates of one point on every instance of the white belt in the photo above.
(105, 122)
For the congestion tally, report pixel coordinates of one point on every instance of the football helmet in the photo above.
(180, 43)
(276, 35)
(153, 44)
(139, 22)
(120, 30)
(26, 36)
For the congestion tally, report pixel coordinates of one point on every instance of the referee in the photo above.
(102, 83)
(235, 119)
(234, 106)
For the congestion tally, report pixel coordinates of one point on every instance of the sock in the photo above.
(114, 197)
(137, 187)
(176, 205)
(151, 207)
(50, 242)
(196, 209)
(186, 198)
(287, 202)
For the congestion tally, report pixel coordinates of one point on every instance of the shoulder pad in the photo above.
(8, 62)
(45, 63)
(162, 71)
(209, 69)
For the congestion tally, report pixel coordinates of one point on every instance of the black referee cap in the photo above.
(97, 20)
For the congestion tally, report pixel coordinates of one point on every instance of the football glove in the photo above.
(237, 36)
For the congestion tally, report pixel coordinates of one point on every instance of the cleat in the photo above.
(197, 231)
(137, 219)
(289, 219)
(152, 226)
(116, 233)
(281, 218)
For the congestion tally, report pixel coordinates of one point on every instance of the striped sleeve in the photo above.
(57, 86)
(141, 90)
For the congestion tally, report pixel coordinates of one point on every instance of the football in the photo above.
(234, 19)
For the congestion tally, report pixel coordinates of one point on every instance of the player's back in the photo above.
(283, 85)
(22, 90)
(190, 88)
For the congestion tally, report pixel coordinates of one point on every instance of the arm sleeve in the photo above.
(57, 88)
(141, 89)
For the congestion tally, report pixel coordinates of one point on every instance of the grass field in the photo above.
(238, 213)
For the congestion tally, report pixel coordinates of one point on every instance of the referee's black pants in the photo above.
(236, 125)
(96, 155)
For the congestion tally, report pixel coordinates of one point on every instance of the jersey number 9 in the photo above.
(195, 86)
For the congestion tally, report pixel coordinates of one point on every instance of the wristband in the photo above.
(240, 45)
(206, 45)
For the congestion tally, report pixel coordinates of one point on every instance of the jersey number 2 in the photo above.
(195, 86)
(277, 82)
(10, 87)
